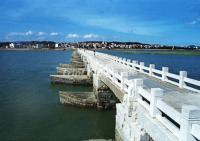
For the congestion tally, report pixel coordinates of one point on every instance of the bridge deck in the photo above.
(173, 95)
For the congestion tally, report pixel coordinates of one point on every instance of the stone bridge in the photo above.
(154, 104)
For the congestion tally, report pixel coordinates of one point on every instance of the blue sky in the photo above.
(150, 21)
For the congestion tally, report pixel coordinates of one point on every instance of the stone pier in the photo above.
(79, 72)
(81, 99)
(73, 73)
(105, 97)
(71, 66)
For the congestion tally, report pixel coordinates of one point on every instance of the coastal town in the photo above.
(89, 45)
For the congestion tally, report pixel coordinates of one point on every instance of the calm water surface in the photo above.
(29, 104)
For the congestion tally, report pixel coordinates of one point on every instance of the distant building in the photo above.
(36, 46)
(56, 45)
(12, 45)
(40, 45)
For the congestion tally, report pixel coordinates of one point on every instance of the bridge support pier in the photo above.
(105, 97)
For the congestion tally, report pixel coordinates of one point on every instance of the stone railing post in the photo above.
(134, 84)
(134, 64)
(141, 67)
(190, 115)
(115, 58)
(138, 83)
(132, 95)
(114, 76)
(165, 70)
(151, 67)
(183, 74)
(156, 94)
(124, 61)
(128, 61)
(123, 76)
(120, 60)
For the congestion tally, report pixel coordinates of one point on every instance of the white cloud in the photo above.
(15, 33)
(193, 22)
(54, 34)
(28, 33)
(72, 35)
(41, 33)
(196, 21)
(85, 36)
(89, 36)
(41, 38)
(119, 24)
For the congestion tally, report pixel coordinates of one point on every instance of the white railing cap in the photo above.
(141, 63)
(152, 65)
(183, 73)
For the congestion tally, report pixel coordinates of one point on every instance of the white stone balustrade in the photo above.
(165, 70)
(151, 67)
(141, 67)
(183, 74)
(156, 94)
(181, 78)
(190, 116)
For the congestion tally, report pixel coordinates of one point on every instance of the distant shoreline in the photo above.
(166, 52)
(119, 49)
(32, 49)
